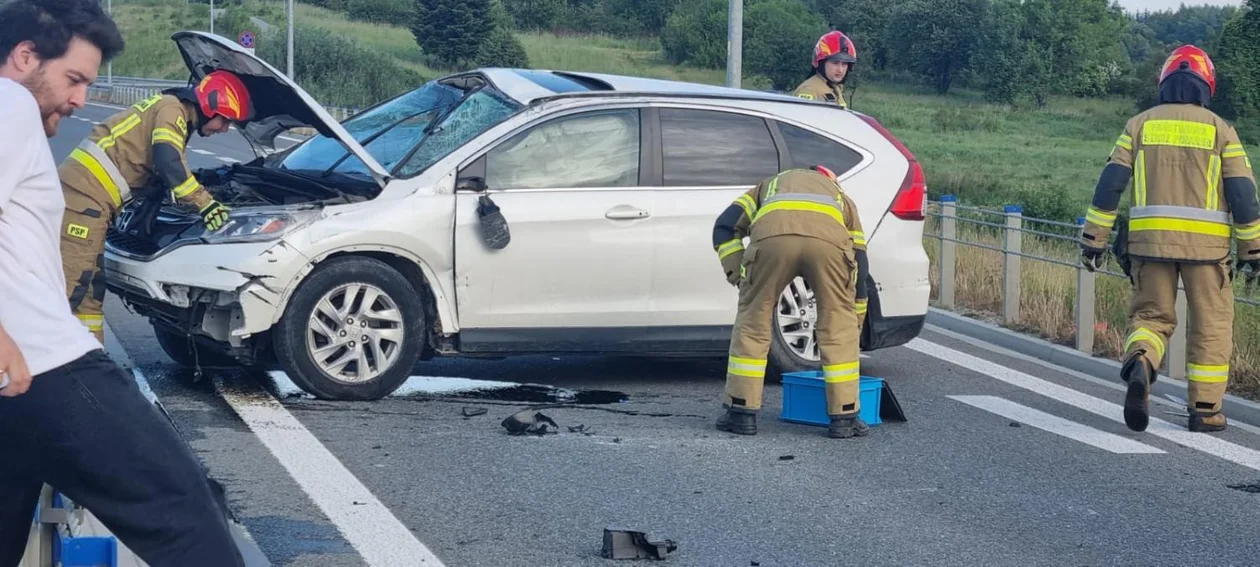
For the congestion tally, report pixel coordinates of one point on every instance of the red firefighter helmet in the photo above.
(825, 171)
(223, 94)
(834, 46)
(1192, 60)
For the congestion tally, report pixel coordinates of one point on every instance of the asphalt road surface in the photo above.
(1004, 460)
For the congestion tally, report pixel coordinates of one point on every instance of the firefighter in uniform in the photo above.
(799, 223)
(129, 150)
(1192, 186)
(834, 57)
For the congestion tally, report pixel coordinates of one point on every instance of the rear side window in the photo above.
(712, 148)
(809, 149)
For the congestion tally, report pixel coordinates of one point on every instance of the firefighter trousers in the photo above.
(769, 266)
(1210, 330)
(85, 429)
(89, 212)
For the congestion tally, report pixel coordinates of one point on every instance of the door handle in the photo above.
(625, 212)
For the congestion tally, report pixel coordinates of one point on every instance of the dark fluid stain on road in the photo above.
(534, 393)
(1253, 488)
(286, 540)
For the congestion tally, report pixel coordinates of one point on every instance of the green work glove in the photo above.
(214, 215)
(731, 266)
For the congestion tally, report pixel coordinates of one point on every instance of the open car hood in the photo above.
(279, 104)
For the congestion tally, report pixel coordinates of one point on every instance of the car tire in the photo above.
(293, 337)
(186, 353)
(783, 358)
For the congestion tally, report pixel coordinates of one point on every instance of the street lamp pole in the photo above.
(734, 43)
(109, 68)
(289, 3)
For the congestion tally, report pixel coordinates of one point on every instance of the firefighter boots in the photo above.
(844, 427)
(1207, 422)
(1137, 372)
(738, 422)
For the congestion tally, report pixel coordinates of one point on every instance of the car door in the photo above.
(709, 158)
(580, 254)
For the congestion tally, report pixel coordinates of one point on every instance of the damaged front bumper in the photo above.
(227, 292)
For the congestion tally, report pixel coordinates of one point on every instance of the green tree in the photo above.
(451, 32)
(779, 37)
(866, 23)
(936, 39)
(1238, 65)
(500, 48)
(696, 34)
(537, 14)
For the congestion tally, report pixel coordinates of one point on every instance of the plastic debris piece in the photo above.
(630, 544)
(473, 412)
(528, 421)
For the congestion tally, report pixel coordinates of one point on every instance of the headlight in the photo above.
(259, 225)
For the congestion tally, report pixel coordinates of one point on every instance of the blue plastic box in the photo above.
(805, 398)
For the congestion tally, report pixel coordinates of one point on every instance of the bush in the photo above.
(502, 49)
(779, 35)
(696, 34)
(380, 11)
(331, 67)
(1238, 91)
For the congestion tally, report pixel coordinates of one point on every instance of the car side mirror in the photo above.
(476, 184)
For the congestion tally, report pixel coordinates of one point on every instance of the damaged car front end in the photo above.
(224, 290)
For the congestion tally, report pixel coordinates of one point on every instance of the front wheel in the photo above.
(352, 331)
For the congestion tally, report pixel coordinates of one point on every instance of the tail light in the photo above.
(911, 199)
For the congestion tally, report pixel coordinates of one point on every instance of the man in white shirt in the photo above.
(69, 416)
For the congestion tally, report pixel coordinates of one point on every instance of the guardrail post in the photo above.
(948, 256)
(1013, 247)
(1085, 298)
(1177, 343)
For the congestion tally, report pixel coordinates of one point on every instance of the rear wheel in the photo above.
(793, 346)
(352, 331)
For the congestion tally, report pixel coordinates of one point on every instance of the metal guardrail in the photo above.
(1010, 225)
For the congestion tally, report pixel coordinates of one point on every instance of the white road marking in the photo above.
(202, 152)
(1205, 443)
(228, 159)
(379, 537)
(1057, 425)
(1175, 404)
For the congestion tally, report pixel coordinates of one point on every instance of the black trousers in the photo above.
(86, 429)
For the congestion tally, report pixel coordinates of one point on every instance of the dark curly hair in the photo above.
(51, 24)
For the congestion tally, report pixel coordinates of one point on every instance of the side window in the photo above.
(713, 148)
(809, 149)
(597, 149)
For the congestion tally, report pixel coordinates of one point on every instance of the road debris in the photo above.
(474, 412)
(787, 457)
(580, 429)
(630, 544)
(529, 421)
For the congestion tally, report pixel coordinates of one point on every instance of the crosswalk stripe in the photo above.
(1205, 443)
(1057, 425)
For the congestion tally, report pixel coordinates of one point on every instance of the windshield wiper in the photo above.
(373, 137)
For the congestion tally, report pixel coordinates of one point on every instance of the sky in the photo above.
(1155, 5)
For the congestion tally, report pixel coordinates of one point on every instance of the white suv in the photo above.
(360, 251)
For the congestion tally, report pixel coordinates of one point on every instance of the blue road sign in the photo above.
(246, 39)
